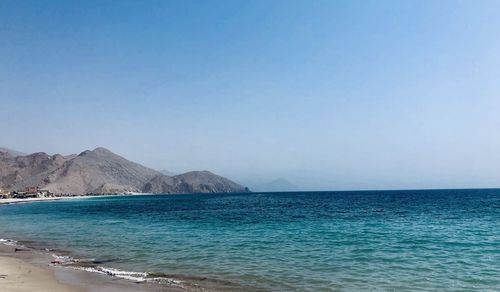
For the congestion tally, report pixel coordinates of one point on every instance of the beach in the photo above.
(18, 275)
(28, 270)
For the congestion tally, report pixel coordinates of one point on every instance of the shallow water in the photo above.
(442, 240)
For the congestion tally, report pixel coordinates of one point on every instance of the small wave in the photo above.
(9, 242)
(60, 259)
(89, 266)
(131, 276)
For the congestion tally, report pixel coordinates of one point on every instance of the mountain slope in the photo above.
(205, 181)
(192, 182)
(12, 152)
(99, 171)
(19, 172)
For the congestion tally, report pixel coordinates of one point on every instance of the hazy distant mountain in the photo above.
(12, 152)
(101, 172)
(277, 185)
(167, 172)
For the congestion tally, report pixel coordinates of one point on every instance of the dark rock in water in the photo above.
(156, 275)
(100, 262)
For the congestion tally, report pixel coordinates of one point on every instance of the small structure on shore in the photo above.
(28, 192)
(21, 195)
(45, 193)
(31, 190)
(4, 195)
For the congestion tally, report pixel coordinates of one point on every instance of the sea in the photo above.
(421, 240)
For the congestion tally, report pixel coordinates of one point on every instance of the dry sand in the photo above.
(17, 275)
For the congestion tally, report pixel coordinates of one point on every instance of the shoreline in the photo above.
(44, 269)
(27, 269)
(30, 200)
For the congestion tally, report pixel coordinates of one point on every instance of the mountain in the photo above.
(167, 172)
(18, 172)
(193, 182)
(277, 185)
(100, 171)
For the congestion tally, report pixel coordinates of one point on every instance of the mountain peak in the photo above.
(101, 150)
(98, 151)
(86, 152)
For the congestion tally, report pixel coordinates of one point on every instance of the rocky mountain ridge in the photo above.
(100, 171)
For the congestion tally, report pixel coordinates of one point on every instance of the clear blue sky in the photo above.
(327, 94)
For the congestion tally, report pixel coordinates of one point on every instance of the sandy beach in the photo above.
(18, 275)
(19, 271)
(28, 270)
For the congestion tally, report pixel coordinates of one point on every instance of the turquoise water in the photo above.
(442, 240)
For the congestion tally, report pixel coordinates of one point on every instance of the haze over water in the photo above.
(437, 240)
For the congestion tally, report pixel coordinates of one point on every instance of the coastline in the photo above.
(27, 269)
(30, 200)
(32, 269)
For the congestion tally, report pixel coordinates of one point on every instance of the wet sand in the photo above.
(30, 271)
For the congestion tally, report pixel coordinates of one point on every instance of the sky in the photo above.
(330, 95)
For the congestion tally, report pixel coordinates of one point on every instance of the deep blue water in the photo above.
(439, 240)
